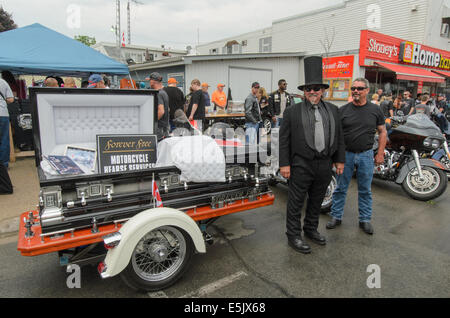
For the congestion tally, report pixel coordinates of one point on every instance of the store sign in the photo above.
(382, 48)
(338, 67)
(375, 46)
(126, 153)
(378, 47)
(413, 53)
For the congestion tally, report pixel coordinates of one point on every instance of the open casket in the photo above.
(99, 188)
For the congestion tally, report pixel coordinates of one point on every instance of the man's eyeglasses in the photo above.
(312, 88)
(360, 89)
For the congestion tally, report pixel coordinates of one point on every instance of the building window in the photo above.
(244, 43)
(237, 49)
(213, 51)
(445, 27)
(265, 45)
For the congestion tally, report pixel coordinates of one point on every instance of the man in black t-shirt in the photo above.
(442, 103)
(176, 99)
(360, 121)
(408, 104)
(387, 106)
(196, 109)
(163, 105)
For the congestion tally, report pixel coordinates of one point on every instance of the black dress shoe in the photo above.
(316, 237)
(333, 223)
(366, 227)
(299, 245)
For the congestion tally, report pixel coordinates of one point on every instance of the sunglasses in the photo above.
(358, 88)
(312, 88)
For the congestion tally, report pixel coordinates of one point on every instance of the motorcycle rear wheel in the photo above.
(432, 186)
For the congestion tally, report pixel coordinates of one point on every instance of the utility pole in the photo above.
(129, 18)
(128, 23)
(118, 33)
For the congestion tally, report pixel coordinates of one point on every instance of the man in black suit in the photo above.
(311, 143)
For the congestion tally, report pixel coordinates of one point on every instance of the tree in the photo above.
(6, 21)
(86, 40)
(329, 40)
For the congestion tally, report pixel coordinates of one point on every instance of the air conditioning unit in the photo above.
(445, 30)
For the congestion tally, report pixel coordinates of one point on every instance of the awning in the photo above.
(412, 73)
(442, 73)
(36, 49)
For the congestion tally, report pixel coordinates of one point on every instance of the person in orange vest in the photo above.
(219, 98)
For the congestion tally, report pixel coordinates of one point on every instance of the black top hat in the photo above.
(313, 72)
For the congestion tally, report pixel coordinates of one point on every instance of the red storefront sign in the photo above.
(380, 47)
(338, 67)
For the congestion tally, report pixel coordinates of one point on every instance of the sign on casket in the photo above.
(126, 153)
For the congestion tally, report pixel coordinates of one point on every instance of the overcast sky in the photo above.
(155, 22)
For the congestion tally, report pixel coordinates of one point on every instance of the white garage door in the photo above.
(241, 79)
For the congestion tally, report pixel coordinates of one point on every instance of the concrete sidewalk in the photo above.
(25, 181)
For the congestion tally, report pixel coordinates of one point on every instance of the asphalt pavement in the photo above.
(250, 257)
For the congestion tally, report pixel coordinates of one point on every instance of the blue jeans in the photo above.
(4, 141)
(251, 133)
(438, 155)
(364, 164)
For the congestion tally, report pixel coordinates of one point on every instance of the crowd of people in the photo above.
(193, 105)
(434, 106)
(405, 104)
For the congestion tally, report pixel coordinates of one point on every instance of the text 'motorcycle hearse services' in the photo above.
(126, 153)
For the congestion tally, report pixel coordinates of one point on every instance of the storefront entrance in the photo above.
(387, 81)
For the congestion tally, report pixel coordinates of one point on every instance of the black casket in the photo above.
(70, 199)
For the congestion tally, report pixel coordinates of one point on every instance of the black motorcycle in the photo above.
(421, 178)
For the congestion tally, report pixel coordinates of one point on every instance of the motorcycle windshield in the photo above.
(421, 125)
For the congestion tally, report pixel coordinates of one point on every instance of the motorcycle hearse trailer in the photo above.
(100, 185)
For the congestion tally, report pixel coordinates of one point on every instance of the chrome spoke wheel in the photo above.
(426, 185)
(159, 254)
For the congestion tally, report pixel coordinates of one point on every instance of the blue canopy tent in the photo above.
(35, 49)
